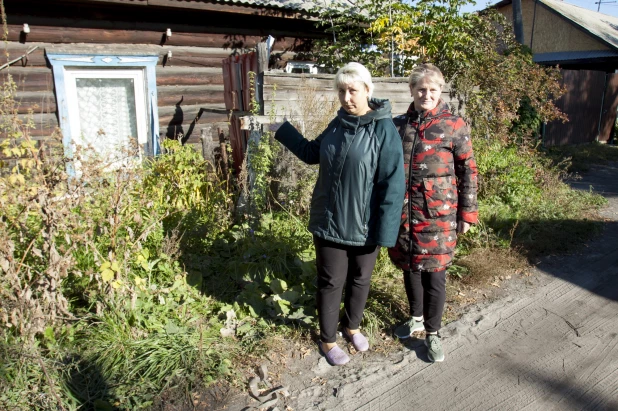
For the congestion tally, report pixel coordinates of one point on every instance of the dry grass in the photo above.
(582, 156)
(294, 180)
(486, 263)
(487, 269)
(316, 109)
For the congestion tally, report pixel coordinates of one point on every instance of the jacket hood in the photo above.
(380, 109)
(440, 108)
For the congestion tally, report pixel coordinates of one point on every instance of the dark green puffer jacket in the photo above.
(357, 198)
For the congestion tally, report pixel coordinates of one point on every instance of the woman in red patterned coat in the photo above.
(440, 202)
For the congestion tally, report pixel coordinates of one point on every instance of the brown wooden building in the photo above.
(584, 44)
(144, 68)
(567, 35)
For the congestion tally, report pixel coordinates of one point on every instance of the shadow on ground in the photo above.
(599, 256)
(88, 385)
(418, 346)
(565, 392)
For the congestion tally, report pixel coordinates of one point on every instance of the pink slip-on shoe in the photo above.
(359, 341)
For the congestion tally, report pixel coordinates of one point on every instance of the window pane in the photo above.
(106, 113)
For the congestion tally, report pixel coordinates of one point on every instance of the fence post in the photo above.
(262, 60)
(222, 153)
(208, 145)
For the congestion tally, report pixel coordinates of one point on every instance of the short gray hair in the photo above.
(426, 70)
(353, 72)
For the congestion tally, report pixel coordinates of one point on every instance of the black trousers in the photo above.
(338, 265)
(426, 293)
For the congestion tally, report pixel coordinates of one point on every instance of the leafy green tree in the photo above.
(489, 72)
(349, 38)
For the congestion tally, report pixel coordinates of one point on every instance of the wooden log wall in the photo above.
(189, 84)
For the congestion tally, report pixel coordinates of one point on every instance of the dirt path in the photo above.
(552, 344)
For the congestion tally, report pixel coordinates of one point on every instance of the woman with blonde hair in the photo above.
(440, 202)
(356, 202)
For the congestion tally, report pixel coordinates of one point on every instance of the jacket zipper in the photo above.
(412, 152)
(365, 220)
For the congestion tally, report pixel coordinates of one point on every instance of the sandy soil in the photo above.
(549, 343)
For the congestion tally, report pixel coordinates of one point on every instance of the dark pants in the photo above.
(426, 293)
(338, 265)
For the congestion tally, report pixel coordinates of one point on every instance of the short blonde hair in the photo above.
(353, 72)
(426, 70)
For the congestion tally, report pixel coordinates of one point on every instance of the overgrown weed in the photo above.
(138, 280)
(524, 206)
(293, 179)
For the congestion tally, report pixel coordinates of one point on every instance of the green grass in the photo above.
(156, 324)
(579, 158)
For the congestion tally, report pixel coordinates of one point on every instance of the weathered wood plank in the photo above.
(284, 80)
(296, 84)
(30, 78)
(270, 75)
(293, 95)
(14, 50)
(88, 35)
(194, 138)
(181, 56)
(188, 76)
(190, 95)
(41, 79)
(38, 101)
(293, 108)
(193, 61)
(179, 119)
(45, 124)
(195, 36)
(191, 111)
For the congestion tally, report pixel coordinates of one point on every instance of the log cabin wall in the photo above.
(203, 34)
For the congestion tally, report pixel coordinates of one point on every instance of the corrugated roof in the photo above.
(595, 23)
(281, 4)
(566, 56)
(300, 5)
(306, 5)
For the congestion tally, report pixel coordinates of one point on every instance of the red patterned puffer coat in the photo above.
(442, 185)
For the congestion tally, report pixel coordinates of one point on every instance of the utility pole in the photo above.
(518, 26)
(602, 2)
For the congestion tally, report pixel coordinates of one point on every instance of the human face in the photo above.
(426, 94)
(354, 98)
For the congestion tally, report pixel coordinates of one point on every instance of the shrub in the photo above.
(98, 253)
(524, 203)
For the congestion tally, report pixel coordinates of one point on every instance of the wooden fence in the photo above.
(239, 91)
(284, 93)
(287, 95)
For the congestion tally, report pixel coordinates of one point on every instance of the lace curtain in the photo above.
(107, 114)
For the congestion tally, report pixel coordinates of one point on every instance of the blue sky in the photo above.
(608, 8)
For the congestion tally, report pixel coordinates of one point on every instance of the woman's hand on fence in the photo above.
(274, 126)
(462, 227)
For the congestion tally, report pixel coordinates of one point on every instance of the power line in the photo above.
(602, 2)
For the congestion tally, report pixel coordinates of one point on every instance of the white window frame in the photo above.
(66, 64)
(137, 75)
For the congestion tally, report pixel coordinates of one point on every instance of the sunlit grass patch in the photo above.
(581, 157)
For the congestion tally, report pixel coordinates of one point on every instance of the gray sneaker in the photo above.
(434, 346)
(406, 329)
